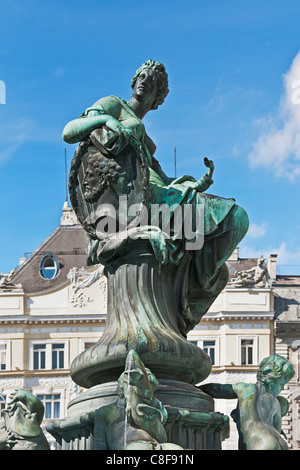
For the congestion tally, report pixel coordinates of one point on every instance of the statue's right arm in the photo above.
(216, 390)
(104, 112)
(77, 130)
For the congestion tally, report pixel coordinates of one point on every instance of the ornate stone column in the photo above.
(145, 314)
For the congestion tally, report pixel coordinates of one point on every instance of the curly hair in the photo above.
(162, 77)
(278, 365)
(107, 170)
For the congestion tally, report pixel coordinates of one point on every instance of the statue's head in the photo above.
(133, 378)
(99, 174)
(274, 372)
(136, 375)
(160, 75)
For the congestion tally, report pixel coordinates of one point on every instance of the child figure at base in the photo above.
(260, 408)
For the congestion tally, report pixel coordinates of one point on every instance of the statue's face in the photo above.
(91, 184)
(146, 87)
(274, 384)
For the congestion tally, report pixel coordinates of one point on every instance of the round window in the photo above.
(49, 267)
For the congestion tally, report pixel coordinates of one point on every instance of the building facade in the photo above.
(53, 306)
(237, 332)
(287, 344)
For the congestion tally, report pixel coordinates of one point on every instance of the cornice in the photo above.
(223, 316)
(30, 320)
(34, 373)
(287, 327)
(247, 289)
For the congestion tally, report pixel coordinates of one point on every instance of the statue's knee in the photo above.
(241, 221)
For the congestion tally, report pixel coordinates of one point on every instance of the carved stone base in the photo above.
(192, 423)
(170, 392)
(189, 429)
(146, 313)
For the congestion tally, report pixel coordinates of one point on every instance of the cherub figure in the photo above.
(20, 425)
(260, 408)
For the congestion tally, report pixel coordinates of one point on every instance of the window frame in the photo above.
(49, 354)
(56, 267)
(200, 344)
(53, 392)
(8, 355)
(198, 341)
(84, 341)
(254, 350)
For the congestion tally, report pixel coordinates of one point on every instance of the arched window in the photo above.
(49, 267)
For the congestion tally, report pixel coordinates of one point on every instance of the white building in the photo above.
(53, 306)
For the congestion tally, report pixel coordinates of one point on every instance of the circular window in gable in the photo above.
(49, 267)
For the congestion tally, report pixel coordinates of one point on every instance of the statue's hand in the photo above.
(210, 165)
(115, 126)
(18, 395)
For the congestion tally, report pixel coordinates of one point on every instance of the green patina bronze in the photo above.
(161, 280)
(115, 160)
(164, 258)
(20, 423)
(136, 420)
(260, 407)
(133, 418)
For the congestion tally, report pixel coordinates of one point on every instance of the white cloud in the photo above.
(257, 231)
(59, 72)
(13, 135)
(278, 148)
(287, 255)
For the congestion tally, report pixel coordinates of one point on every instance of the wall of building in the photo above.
(70, 313)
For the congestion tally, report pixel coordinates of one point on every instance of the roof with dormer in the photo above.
(66, 244)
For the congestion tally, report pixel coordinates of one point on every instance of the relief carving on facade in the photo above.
(81, 279)
(6, 283)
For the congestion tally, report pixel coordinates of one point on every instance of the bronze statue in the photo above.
(20, 423)
(138, 220)
(136, 420)
(107, 130)
(260, 407)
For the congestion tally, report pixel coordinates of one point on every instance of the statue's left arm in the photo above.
(201, 185)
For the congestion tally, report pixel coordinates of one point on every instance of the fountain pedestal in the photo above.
(145, 314)
(192, 422)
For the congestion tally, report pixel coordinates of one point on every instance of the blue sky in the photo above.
(233, 68)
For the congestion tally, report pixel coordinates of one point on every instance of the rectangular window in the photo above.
(88, 345)
(3, 356)
(51, 404)
(210, 348)
(49, 356)
(39, 356)
(247, 352)
(58, 356)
